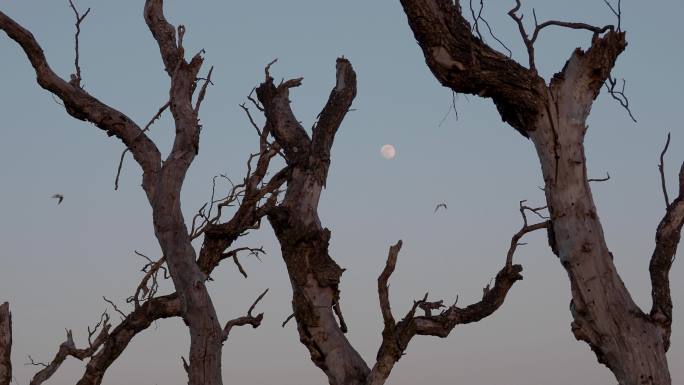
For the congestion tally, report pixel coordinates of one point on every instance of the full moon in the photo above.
(388, 151)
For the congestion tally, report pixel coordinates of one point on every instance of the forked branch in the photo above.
(397, 335)
(249, 319)
(76, 78)
(619, 95)
(68, 348)
(529, 41)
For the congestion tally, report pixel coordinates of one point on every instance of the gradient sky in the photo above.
(56, 262)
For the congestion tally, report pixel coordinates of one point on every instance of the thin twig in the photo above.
(600, 179)
(529, 41)
(661, 168)
(76, 78)
(147, 127)
(619, 95)
(477, 18)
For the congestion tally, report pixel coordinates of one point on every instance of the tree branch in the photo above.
(249, 319)
(529, 42)
(76, 78)
(164, 34)
(619, 95)
(667, 240)
(83, 106)
(464, 63)
(68, 348)
(397, 335)
(333, 113)
(280, 120)
(661, 169)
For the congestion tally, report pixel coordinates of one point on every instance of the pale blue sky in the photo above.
(56, 262)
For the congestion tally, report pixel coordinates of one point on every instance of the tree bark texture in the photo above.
(315, 276)
(631, 343)
(5, 344)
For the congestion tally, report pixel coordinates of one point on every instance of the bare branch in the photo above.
(83, 106)
(617, 13)
(117, 341)
(281, 121)
(465, 64)
(146, 288)
(147, 127)
(383, 286)
(288, 319)
(164, 34)
(68, 348)
(476, 26)
(619, 95)
(249, 319)
(599, 179)
(529, 42)
(203, 90)
(661, 168)
(76, 78)
(397, 335)
(452, 106)
(234, 254)
(123, 316)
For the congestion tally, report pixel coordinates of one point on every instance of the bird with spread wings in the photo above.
(441, 205)
(59, 198)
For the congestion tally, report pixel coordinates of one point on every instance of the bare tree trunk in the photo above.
(315, 276)
(629, 342)
(5, 344)
(605, 316)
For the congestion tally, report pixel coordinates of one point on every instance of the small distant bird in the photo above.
(59, 198)
(441, 205)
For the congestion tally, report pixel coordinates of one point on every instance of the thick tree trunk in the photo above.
(5, 344)
(197, 308)
(631, 343)
(624, 338)
(605, 316)
(315, 278)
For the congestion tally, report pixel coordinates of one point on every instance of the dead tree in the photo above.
(162, 181)
(315, 276)
(630, 342)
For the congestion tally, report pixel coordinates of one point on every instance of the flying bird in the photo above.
(441, 205)
(59, 198)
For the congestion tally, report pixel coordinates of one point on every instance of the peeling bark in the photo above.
(629, 342)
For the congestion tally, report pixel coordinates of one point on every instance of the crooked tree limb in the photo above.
(304, 242)
(397, 335)
(68, 348)
(249, 319)
(81, 105)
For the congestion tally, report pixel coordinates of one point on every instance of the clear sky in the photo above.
(56, 262)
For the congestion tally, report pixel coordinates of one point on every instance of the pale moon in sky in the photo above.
(388, 151)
